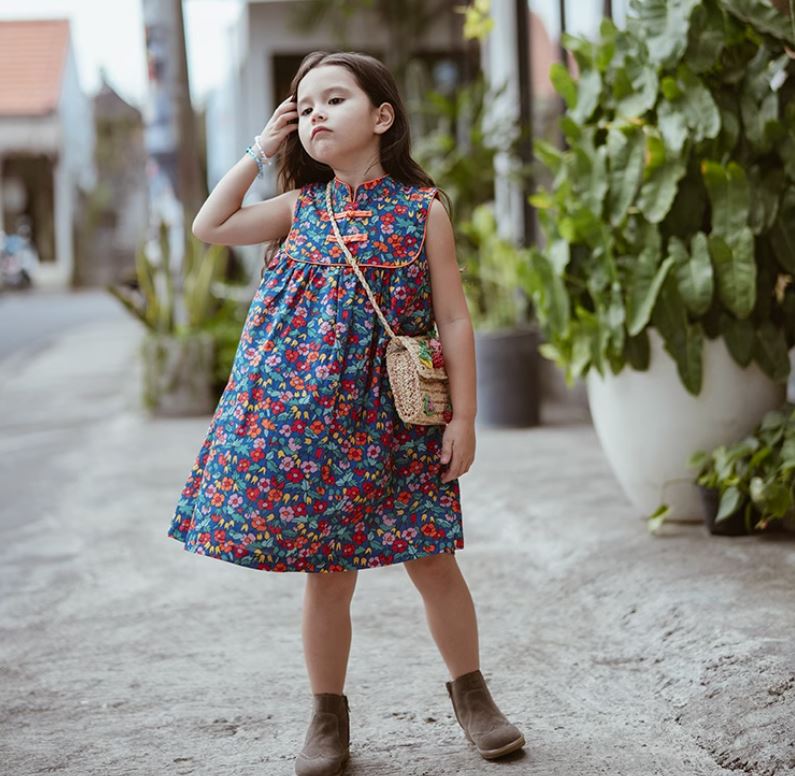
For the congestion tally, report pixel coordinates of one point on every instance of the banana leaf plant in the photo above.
(673, 205)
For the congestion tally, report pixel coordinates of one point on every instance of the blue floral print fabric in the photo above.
(306, 465)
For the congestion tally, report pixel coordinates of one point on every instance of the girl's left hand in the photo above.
(458, 448)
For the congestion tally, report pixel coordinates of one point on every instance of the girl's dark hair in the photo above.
(297, 167)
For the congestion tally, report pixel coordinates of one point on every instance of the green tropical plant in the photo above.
(207, 338)
(459, 154)
(225, 326)
(496, 301)
(755, 475)
(155, 299)
(459, 150)
(673, 205)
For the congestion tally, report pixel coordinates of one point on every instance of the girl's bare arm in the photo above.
(451, 312)
(223, 220)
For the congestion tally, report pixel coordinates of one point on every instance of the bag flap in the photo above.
(426, 352)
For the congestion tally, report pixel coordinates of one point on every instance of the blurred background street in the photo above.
(29, 322)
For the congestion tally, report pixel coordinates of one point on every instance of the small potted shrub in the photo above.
(748, 486)
(506, 340)
(179, 358)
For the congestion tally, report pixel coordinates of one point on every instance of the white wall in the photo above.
(73, 166)
(500, 55)
(77, 137)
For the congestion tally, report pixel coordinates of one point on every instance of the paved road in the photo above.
(29, 321)
(616, 652)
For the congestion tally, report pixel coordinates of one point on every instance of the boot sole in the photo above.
(490, 754)
(343, 763)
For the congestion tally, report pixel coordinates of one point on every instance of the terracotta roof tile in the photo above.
(32, 60)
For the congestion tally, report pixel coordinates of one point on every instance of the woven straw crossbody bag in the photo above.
(415, 365)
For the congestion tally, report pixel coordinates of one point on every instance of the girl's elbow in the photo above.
(201, 232)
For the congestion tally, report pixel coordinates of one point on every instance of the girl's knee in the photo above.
(432, 568)
(336, 585)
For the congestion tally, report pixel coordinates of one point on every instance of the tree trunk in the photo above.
(171, 130)
(170, 141)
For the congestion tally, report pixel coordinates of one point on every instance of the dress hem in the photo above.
(449, 549)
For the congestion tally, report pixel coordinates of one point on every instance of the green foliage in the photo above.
(755, 475)
(673, 205)
(459, 154)
(498, 301)
(478, 21)
(155, 299)
(211, 306)
(225, 326)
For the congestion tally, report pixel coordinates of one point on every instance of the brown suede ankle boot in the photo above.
(483, 723)
(326, 746)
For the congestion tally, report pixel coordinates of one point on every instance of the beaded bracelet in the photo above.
(261, 151)
(255, 156)
(259, 156)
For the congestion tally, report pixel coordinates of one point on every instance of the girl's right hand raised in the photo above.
(280, 125)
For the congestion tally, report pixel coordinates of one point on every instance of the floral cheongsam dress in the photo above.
(306, 465)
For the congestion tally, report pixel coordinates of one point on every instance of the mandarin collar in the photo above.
(343, 191)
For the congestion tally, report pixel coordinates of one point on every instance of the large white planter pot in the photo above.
(649, 425)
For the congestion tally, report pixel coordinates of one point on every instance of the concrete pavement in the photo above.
(616, 652)
(30, 319)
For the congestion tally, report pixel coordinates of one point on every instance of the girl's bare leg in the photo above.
(449, 610)
(451, 616)
(326, 628)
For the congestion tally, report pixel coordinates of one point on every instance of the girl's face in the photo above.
(336, 120)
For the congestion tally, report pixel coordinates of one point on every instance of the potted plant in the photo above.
(178, 358)
(506, 340)
(665, 279)
(748, 485)
(460, 156)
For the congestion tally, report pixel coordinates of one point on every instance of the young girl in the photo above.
(307, 465)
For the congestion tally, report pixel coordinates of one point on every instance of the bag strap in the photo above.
(353, 261)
